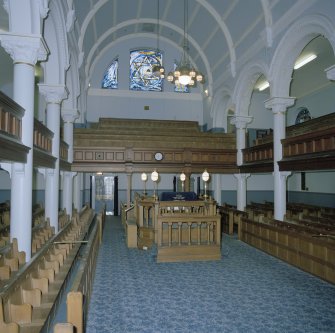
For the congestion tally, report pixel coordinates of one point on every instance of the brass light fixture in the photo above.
(205, 178)
(144, 178)
(184, 73)
(154, 178)
(182, 179)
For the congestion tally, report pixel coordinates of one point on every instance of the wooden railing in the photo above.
(299, 245)
(312, 139)
(258, 153)
(188, 230)
(10, 117)
(116, 146)
(42, 137)
(27, 299)
(79, 296)
(11, 147)
(309, 143)
(63, 150)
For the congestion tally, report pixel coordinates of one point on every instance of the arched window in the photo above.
(110, 79)
(141, 75)
(303, 115)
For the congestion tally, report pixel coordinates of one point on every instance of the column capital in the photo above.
(285, 174)
(27, 49)
(279, 104)
(241, 176)
(69, 115)
(53, 93)
(241, 122)
(330, 71)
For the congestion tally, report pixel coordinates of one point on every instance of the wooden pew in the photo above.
(232, 217)
(79, 295)
(27, 299)
(298, 245)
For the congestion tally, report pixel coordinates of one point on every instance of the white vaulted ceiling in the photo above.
(221, 32)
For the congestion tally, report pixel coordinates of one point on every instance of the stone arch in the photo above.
(56, 37)
(220, 107)
(245, 85)
(291, 45)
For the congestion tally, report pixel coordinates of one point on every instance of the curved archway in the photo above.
(291, 45)
(55, 34)
(220, 108)
(245, 85)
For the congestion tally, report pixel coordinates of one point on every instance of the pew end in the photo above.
(63, 328)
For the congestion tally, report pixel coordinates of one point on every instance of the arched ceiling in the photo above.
(218, 31)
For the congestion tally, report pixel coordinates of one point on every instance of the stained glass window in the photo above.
(110, 80)
(303, 115)
(141, 70)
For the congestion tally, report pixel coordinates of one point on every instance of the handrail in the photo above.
(126, 210)
(79, 295)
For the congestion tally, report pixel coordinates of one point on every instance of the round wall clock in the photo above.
(158, 156)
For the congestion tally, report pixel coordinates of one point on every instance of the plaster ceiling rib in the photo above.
(225, 31)
(165, 14)
(268, 21)
(190, 20)
(137, 27)
(203, 3)
(226, 14)
(114, 15)
(248, 31)
(86, 22)
(166, 24)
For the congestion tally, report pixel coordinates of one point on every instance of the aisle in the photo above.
(247, 291)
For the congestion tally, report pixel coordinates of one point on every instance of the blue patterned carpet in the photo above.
(247, 291)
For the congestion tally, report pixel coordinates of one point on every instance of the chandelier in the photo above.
(184, 73)
(158, 69)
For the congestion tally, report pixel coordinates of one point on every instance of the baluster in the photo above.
(179, 233)
(189, 232)
(208, 233)
(170, 233)
(199, 230)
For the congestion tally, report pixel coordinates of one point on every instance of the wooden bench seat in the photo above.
(299, 245)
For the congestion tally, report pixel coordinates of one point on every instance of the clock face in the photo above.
(158, 156)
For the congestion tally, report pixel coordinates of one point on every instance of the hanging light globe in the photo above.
(170, 77)
(184, 77)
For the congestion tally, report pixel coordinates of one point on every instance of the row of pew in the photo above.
(27, 298)
(305, 239)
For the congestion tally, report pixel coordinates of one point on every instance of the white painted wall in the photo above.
(123, 103)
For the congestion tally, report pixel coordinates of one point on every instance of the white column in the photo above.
(241, 190)
(240, 123)
(93, 190)
(53, 94)
(129, 187)
(217, 188)
(25, 52)
(279, 106)
(69, 116)
(77, 196)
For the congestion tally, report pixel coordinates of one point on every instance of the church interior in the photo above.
(167, 166)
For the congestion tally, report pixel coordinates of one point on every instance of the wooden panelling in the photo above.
(307, 146)
(135, 143)
(294, 244)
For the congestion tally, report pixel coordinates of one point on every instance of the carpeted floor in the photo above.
(247, 291)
